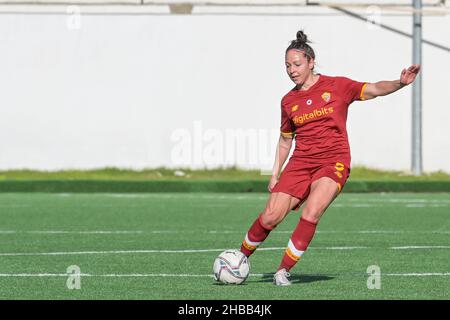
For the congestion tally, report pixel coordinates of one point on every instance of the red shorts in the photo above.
(298, 175)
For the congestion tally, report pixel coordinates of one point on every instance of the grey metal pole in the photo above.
(417, 91)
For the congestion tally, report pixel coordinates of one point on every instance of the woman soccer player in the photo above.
(315, 112)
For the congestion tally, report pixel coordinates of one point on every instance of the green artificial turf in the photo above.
(132, 246)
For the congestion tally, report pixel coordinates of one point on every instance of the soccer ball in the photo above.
(231, 267)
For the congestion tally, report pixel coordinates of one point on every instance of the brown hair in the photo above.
(301, 44)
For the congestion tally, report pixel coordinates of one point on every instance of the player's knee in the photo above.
(271, 218)
(312, 213)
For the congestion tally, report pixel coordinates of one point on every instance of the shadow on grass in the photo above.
(229, 285)
(295, 278)
(298, 278)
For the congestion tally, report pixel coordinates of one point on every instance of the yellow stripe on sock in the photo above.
(291, 255)
(248, 247)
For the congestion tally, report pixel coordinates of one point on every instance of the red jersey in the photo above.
(318, 117)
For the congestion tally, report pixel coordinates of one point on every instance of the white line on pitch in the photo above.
(73, 232)
(212, 231)
(416, 274)
(315, 248)
(233, 197)
(197, 250)
(420, 247)
(372, 232)
(82, 232)
(156, 251)
(102, 275)
(162, 275)
(105, 252)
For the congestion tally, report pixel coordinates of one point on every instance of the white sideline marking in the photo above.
(213, 231)
(420, 247)
(74, 232)
(195, 251)
(233, 197)
(184, 196)
(315, 248)
(397, 200)
(162, 275)
(355, 205)
(374, 232)
(105, 252)
(155, 251)
(416, 274)
(103, 275)
(81, 232)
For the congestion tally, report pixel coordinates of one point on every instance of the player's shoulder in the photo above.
(288, 96)
(341, 79)
(326, 80)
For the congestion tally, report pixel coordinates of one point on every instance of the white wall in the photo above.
(131, 90)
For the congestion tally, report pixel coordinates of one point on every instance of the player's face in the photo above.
(297, 66)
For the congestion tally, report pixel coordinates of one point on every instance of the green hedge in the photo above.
(90, 186)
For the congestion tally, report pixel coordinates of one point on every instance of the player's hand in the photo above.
(273, 181)
(409, 75)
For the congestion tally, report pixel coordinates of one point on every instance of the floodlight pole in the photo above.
(417, 91)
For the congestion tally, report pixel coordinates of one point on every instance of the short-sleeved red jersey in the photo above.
(318, 117)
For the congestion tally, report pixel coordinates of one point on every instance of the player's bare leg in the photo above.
(278, 206)
(323, 192)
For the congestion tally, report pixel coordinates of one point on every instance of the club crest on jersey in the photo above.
(294, 108)
(326, 96)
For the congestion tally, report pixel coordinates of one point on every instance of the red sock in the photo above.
(299, 242)
(255, 236)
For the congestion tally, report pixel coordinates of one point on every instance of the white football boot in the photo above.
(281, 278)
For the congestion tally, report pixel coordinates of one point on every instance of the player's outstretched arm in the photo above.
(383, 88)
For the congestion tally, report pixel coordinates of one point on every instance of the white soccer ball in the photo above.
(231, 267)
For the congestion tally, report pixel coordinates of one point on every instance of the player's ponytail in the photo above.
(301, 37)
(301, 44)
